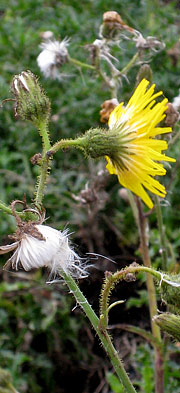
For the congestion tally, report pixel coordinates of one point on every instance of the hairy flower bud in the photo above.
(31, 102)
(170, 290)
(169, 323)
(145, 71)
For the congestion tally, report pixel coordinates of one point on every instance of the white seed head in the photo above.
(54, 252)
(54, 54)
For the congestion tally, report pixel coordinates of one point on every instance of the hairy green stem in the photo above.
(68, 143)
(161, 234)
(102, 334)
(41, 180)
(45, 162)
(112, 279)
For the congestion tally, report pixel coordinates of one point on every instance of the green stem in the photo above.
(24, 216)
(141, 332)
(130, 64)
(68, 143)
(42, 126)
(45, 161)
(174, 139)
(161, 234)
(41, 180)
(112, 279)
(5, 208)
(79, 63)
(102, 334)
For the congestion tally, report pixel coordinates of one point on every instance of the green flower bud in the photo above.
(169, 323)
(31, 101)
(170, 290)
(5, 378)
(145, 71)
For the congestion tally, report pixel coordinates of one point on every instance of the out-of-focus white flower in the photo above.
(46, 35)
(42, 246)
(54, 54)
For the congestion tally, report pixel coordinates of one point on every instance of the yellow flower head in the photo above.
(137, 161)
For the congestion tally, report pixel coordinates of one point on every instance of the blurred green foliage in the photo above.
(40, 338)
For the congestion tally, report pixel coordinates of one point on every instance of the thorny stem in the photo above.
(102, 334)
(161, 234)
(159, 377)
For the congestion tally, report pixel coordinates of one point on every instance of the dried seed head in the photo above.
(107, 108)
(172, 115)
(113, 25)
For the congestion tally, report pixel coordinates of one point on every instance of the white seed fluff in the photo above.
(54, 54)
(53, 252)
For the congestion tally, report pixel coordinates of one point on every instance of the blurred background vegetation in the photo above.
(44, 344)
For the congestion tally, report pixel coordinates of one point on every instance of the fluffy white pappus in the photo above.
(54, 252)
(54, 54)
(176, 102)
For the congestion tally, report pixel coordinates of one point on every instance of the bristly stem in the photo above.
(45, 162)
(112, 279)
(67, 144)
(102, 334)
(161, 234)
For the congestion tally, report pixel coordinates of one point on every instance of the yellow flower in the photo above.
(137, 161)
